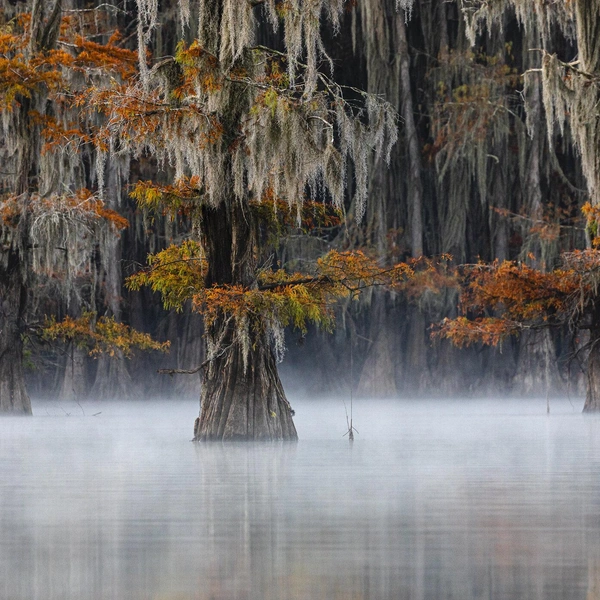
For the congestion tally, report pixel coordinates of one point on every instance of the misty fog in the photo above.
(434, 499)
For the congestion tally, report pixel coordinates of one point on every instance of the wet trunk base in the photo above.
(14, 398)
(244, 403)
(592, 397)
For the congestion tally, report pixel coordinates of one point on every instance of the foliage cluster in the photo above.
(103, 335)
(505, 298)
(277, 296)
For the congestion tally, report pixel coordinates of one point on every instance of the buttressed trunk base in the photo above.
(244, 400)
(592, 396)
(13, 395)
(242, 397)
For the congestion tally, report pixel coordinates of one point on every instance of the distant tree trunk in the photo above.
(112, 376)
(74, 381)
(13, 395)
(417, 377)
(536, 371)
(13, 300)
(242, 397)
(13, 289)
(13, 261)
(588, 44)
(112, 380)
(415, 185)
(592, 396)
(378, 374)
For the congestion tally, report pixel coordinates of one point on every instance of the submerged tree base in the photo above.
(592, 396)
(244, 399)
(14, 398)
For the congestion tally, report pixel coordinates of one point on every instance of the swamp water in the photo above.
(434, 500)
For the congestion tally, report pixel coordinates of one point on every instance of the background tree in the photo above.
(497, 182)
(500, 176)
(570, 94)
(503, 299)
(54, 231)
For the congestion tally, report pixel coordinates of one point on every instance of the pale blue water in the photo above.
(434, 500)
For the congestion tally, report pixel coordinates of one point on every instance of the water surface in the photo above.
(434, 500)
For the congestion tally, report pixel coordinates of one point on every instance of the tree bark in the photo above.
(592, 396)
(13, 278)
(13, 395)
(588, 44)
(74, 382)
(537, 372)
(241, 397)
(415, 185)
(378, 374)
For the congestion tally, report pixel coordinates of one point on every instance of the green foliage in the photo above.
(177, 273)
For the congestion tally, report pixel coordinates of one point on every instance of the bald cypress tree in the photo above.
(244, 127)
(55, 227)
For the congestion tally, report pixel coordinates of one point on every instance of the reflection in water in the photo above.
(433, 501)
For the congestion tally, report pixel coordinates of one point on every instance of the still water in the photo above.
(434, 500)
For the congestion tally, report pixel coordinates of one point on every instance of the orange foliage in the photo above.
(296, 298)
(22, 74)
(109, 57)
(288, 298)
(135, 116)
(57, 134)
(100, 336)
(199, 67)
(592, 215)
(490, 331)
(520, 297)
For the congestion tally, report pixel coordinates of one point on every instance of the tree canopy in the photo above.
(222, 132)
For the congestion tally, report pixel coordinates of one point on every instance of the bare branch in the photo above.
(182, 371)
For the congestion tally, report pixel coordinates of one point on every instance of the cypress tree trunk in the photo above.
(415, 185)
(592, 396)
(588, 39)
(242, 397)
(74, 380)
(13, 260)
(378, 374)
(13, 395)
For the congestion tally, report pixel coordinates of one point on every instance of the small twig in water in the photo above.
(351, 428)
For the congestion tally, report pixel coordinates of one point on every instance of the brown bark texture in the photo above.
(592, 396)
(243, 400)
(241, 397)
(13, 395)
(415, 185)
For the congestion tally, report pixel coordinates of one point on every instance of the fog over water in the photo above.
(434, 500)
